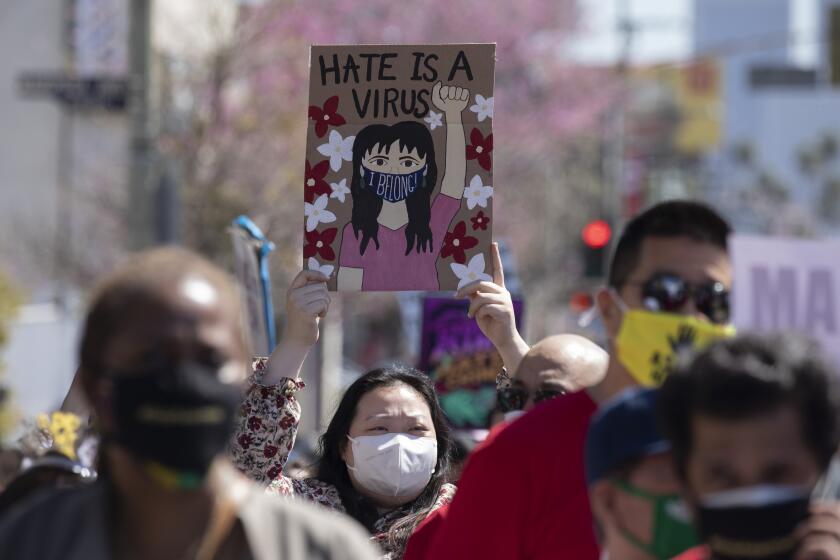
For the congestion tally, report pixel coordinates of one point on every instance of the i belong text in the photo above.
(387, 102)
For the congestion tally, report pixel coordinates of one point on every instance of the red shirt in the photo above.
(523, 493)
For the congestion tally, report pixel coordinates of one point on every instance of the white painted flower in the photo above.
(317, 213)
(472, 272)
(477, 193)
(434, 119)
(339, 190)
(325, 269)
(338, 149)
(483, 107)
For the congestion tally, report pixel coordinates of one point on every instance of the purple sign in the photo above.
(462, 362)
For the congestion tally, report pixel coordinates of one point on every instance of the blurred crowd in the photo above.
(681, 439)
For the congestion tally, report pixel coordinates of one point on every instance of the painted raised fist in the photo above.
(450, 99)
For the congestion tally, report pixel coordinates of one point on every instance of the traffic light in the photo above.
(596, 237)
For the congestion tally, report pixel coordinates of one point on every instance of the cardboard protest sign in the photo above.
(250, 250)
(399, 166)
(788, 285)
(462, 362)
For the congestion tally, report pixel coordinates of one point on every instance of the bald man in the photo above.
(554, 366)
(163, 361)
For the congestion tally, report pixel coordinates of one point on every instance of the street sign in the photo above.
(94, 92)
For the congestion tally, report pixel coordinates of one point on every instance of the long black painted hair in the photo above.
(332, 469)
(367, 206)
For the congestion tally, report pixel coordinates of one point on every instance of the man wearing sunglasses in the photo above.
(553, 367)
(523, 493)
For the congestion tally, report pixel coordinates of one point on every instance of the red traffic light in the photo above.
(596, 234)
(580, 302)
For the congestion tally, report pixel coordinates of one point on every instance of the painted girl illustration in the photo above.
(397, 228)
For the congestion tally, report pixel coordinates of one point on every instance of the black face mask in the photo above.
(753, 523)
(176, 420)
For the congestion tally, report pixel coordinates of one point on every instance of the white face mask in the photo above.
(512, 415)
(393, 464)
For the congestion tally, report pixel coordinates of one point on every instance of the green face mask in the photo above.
(673, 532)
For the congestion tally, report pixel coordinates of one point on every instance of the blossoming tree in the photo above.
(242, 143)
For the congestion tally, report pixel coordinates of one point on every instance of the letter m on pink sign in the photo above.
(773, 298)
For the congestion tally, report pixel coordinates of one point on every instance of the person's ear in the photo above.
(347, 453)
(602, 498)
(610, 311)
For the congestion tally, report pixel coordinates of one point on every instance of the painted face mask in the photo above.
(650, 343)
(673, 532)
(393, 464)
(758, 522)
(393, 187)
(175, 422)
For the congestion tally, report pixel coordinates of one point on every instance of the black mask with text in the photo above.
(176, 421)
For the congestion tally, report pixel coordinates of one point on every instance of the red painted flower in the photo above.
(326, 117)
(254, 423)
(320, 243)
(273, 473)
(245, 441)
(287, 422)
(480, 221)
(314, 184)
(269, 450)
(280, 401)
(457, 242)
(481, 149)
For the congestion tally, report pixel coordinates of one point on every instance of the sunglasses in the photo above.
(514, 398)
(669, 293)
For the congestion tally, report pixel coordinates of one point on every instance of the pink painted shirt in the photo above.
(389, 268)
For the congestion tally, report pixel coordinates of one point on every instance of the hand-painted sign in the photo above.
(462, 362)
(398, 173)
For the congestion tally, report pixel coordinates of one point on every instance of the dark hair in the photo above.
(367, 206)
(675, 218)
(748, 376)
(332, 469)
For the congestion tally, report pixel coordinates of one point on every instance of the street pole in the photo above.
(141, 180)
(331, 362)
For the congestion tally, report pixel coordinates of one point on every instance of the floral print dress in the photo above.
(265, 435)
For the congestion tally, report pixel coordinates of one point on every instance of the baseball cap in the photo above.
(624, 429)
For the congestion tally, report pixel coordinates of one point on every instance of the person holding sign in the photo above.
(384, 458)
(394, 213)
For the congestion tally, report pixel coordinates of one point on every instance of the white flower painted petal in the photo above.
(476, 263)
(325, 149)
(326, 217)
(459, 270)
(325, 269)
(476, 182)
(339, 190)
(311, 222)
(321, 202)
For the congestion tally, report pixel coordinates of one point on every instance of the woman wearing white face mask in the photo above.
(384, 457)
